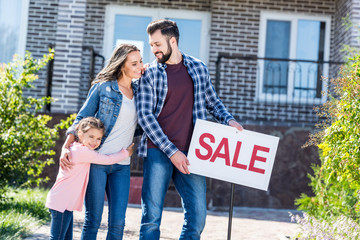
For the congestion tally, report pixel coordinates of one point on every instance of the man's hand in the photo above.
(181, 162)
(65, 159)
(130, 149)
(145, 67)
(236, 125)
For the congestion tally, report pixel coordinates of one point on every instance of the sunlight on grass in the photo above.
(22, 212)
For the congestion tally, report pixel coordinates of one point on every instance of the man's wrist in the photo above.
(232, 119)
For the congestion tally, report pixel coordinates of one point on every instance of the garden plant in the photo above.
(334, 210)
(24, 133)
(26, 143)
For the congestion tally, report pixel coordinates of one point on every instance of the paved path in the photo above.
(248, 224)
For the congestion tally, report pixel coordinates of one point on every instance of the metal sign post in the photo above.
(231, 210)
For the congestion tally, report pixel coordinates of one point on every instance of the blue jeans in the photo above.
(158, 171)
(61, 225)
(115, 181)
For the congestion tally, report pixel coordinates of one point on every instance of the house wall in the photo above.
(94, 26)
(72, 24)
(235, 30)
(42, 22)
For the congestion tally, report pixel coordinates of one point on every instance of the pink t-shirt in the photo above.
(68, 192)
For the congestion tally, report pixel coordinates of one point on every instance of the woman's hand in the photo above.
(65, 157)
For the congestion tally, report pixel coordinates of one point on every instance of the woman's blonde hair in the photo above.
(113, 68)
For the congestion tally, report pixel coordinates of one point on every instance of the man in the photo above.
(173, 93)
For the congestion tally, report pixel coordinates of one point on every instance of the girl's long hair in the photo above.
(113, 68)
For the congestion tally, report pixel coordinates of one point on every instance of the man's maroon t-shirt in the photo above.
(176, 118)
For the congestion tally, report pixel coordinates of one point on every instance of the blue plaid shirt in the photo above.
(151, 97)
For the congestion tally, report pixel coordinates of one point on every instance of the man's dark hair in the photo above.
(167, 27)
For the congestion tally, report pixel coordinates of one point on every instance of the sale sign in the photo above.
(225, 153)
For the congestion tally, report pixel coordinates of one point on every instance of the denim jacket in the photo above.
(103, 102)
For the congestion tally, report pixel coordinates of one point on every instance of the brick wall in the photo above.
(41, 32)
(355, 18)
(235, 29)
(68, 56)
(348, 37)
(94, 26)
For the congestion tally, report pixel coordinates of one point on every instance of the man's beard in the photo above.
(167, 55)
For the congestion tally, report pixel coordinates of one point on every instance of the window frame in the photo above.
(293, 19)
(24, 16)
(156, 13)
(23, 27)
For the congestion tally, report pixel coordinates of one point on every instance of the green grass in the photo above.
(22, 212)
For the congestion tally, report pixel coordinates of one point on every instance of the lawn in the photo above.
(22, 212)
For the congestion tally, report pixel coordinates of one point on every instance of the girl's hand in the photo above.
(130, 149)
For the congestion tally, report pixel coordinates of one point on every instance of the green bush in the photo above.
(22, 213)
(24, 134)
(336, 182)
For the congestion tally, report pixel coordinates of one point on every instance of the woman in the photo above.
(111, 99)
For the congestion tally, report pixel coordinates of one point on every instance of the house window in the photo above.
(13, 28)
(126, 24)
(292, 47)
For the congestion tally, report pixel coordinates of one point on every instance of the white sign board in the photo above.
(225, 153)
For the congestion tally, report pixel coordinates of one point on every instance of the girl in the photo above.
(112, 100)
(68, 192)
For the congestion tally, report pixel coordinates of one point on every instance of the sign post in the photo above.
(225, 153)
(231, 210)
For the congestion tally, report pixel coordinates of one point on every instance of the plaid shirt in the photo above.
(151, 97)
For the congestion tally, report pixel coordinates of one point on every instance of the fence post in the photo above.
(49, 77)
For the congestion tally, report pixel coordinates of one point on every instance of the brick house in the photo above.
(266, 59)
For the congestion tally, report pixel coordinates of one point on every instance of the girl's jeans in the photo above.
(61, 225)
(115, 181)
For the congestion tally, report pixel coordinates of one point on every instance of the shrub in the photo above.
(22, 213)
(24, 134)
(336, 182)
(341, 227)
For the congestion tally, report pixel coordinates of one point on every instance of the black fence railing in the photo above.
(90, 76)
(271, 90)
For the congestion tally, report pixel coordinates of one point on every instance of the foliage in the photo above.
(24, 134)
(334, 228)
(336, 182)
(23, 211)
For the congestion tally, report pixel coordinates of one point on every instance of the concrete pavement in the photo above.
(247, 224)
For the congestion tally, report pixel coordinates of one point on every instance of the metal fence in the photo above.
(89, 75)
(270, 91)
